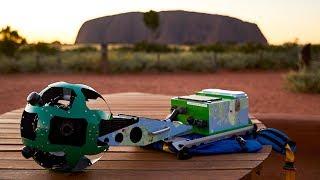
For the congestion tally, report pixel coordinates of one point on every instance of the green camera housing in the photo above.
(212, 111)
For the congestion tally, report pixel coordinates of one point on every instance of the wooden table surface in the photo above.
(129, 162)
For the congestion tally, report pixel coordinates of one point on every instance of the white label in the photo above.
(197, 104)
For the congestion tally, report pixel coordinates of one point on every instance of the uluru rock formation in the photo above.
(176, 27)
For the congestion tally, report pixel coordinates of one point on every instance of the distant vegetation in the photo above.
(143, 57)
(10, 41)
(120, 61)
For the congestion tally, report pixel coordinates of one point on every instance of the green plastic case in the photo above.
(212, 111)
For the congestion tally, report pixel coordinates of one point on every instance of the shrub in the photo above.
(307, 81)
(151, 47)
(262, 60)
(80, 62)
(41, 48)
(210, 48)
(148, 47)
(84, 49)
(8, 65)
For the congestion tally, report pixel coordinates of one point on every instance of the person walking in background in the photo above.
(305, 57)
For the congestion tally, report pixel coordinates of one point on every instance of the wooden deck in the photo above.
(129, 162)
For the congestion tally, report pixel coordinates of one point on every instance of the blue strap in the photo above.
(225, 146)
(277, 139)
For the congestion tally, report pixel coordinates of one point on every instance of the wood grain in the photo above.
(157, 156)
(126, 174)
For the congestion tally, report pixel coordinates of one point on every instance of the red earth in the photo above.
(266, 91)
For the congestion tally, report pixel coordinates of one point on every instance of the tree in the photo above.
(104, 57)
(10, 41)
(151, 20)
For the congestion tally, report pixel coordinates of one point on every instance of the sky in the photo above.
(50, 20)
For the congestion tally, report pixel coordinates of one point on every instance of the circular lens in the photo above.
(119, 138)
(67, 129)
(135, 134)
(33, 98)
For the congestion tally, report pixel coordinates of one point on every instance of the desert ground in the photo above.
(266, 90)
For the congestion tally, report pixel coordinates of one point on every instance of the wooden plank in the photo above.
(10, 126)
(10, 121)
(6, 131)
(258, 124)
(11, 116)
(10, 135)
(16, 141)
(6, 148)
(176, 165)
(145, 165)
(20, 110)
(125, 174)
(157, 156)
